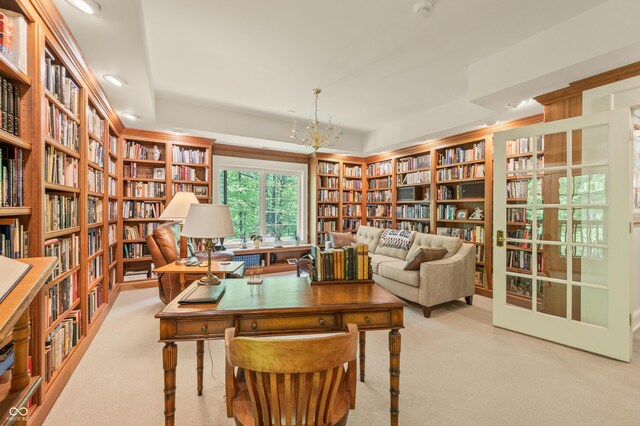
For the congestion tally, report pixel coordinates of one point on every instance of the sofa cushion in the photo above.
(370, 236)
(425, 254)
(377, 259)
(393, 249)
(341, 239)
(397, 238)
(452, 244)
(395, 271)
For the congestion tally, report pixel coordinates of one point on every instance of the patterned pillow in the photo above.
(395, 238)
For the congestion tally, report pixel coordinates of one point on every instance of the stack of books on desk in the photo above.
(341, 264)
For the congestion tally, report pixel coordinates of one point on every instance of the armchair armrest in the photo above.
(448, 279)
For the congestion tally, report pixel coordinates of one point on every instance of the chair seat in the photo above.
(244, 417)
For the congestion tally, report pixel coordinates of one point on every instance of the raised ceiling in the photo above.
(235, 70)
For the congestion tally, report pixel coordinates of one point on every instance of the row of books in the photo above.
(113, 144)
(327, 210)
(11, 176)
(95, 152)
(474, 233)
(351, 184)
(112, 210)
(524, 163)
(13, 38)
(135, 250)
(447, 192)
(379, 196)
(9, 106)
(95, 124)
(328, 195)
(519, 259)
(413, 226)
(94, 210)
(379, 223)
(352, 197)
(60, 168)
(112, 234)
(461, 155)
(414, 178)
(525, 145)
(134, 150)
(199, 190)
(60, 212)
(94, 269)
(519, 188)
(191, 156)
(60, 297)
(518, 215)
(346, 263)
(95, 180)
(94, 240)
(60, 342)
(94, 302)
(328, 182)
(413, 211)
(353, 171)
(449, 212)
(380, 210)
(145, 189)
(187, 173)
(67, 250)
(14, 239)
(352, 210)
(112, 166)
(461, 172)
(112, 255)
(380, 183)
(61, 86)
(61, 128)
(413, 163)
(480, 254)
(141, 209)
(326, 225)
(139, 231)
(480, 278)
(377, 169)
(326, 168)
(112, 185)
(351, 224)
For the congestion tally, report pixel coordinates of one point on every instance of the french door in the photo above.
(562, 219)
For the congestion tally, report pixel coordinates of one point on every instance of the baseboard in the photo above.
(635, 320)
(136, 285)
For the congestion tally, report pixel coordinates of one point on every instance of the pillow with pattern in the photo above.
(396, 238)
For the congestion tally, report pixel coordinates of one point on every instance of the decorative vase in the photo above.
(243, 244)
(155, 153)
(256, 243)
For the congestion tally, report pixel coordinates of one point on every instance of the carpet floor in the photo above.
(456, 369)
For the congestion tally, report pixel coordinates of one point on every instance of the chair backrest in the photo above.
(294, 381)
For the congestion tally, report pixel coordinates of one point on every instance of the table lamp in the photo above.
(211, 222)
(176, 211)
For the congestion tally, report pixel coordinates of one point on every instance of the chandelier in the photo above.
(316, 137)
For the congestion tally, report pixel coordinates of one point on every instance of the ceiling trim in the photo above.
(153, 136)
(258, 154)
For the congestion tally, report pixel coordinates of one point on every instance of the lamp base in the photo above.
(209, 279)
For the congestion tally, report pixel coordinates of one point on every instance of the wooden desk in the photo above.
(217, 268)
(14, 318)
(283, 306)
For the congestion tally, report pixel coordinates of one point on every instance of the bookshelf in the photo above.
(380, 197)
(413, 192)
(328, 199)
(351, 198)
(154, 167)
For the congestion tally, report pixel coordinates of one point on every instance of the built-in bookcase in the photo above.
(328, 196)
(351, 199)
(380, 194)
(413, 192)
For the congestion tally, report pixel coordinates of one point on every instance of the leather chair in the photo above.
(164, 247)
(291, 381)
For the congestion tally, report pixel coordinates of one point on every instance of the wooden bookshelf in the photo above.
(380, 193)
(328, 198)
(414, 206)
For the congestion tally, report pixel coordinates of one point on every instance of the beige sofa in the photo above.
(436, 282)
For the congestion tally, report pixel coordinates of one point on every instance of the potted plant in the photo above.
(257, 240)
(278, 235)
(297, 239)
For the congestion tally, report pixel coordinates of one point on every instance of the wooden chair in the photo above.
(291, 381)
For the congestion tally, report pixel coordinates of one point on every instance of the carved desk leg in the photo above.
(363, 343)
(200, 364)
(169, 363)
(21, 378)
(394, 373)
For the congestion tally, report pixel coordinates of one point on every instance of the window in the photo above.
(265, 197)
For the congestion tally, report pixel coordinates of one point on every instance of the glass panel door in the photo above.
(562, 210)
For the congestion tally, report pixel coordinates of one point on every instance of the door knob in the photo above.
(500, 239)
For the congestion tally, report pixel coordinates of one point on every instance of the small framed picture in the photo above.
(158, 172)
(462, 213)
(201, 191)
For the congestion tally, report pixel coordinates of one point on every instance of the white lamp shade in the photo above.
(179, 206)
(208, 221)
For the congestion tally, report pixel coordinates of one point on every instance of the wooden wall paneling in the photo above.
(260, 154)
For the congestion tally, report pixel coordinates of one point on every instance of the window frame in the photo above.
(300, 170)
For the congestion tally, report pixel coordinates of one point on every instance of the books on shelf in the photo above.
(413, 163)
(134, 150)
(328, 195)
(14, 239)
(112, 234)
(60, 85)
(62, 129)
(94, 240)
(380, 183)
(141, 209)
(185, 155)
(346, 263)
(95, 152)
(328, 168)
(328, 210)
(328, 182)
(413, 226)
(9, 107)
(95, 124)
(94, 269)
(352, 210)
(112, 166)
(67, 250)
(60, 297)
(351, 197)
(112, 210)
(11, 176)
(381, 168)
(60, 342)
(95, 180)
(414, 178)
(113, 144)
(352, 184)
(520, 259)
(472, 234)
(379, 223)
(383, 196)
(462, 154)
(60, 212)
(467, 171)
(94, 210)
(135, 250)
(354, 171)
(351, 224)
(94, 301)
(60, 168)
(112, 186)
(419, 211)
(524, 145)
(325, 225)
(200, 189)
(13, 38)
(145, 189)
(139, 231)
(188, 173)
(380, 210)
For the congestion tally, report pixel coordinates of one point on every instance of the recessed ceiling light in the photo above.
(90, 7)
(518, 104)
(115, 80)
(422, 8)
(177, 132)
(291, 111)
(491, 123)
(130, 115)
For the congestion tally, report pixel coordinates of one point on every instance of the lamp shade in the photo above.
(179, 206)
(208, 221)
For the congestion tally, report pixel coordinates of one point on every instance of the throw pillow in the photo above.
(425, 254)
(395, 238)
(341, 239)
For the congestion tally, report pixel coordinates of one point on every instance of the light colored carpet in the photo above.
(456, 369)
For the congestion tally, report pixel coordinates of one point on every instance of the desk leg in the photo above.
(182, 280)
(363, 343)
(394, 374)
(200, 364)
(169, 363)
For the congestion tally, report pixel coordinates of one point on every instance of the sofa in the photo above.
(436, 282)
